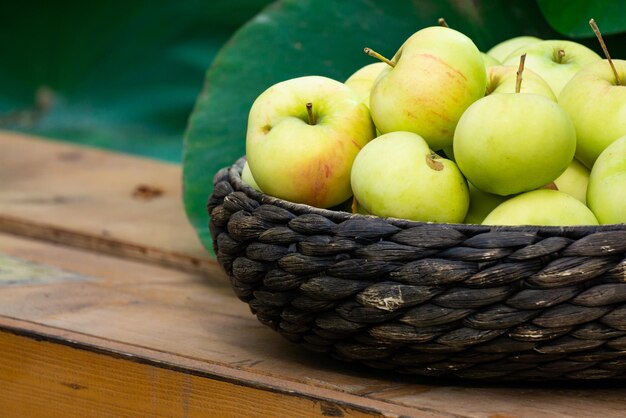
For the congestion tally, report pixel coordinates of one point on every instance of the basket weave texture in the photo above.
(452, 300)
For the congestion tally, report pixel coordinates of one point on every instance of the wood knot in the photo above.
(146, 192)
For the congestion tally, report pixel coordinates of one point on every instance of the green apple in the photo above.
(363, 80)
(512, 142)
(435, 75)
(574, 181)
(503, 78)
(502, 50)
(606, 193)
(397, 175)
(246, 177)
(541, 207)
(488, 60)
(597, 106)
(481, 204)
(304, 153)
(607, 199)
(556, 61)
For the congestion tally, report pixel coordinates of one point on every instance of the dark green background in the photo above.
(120, 74)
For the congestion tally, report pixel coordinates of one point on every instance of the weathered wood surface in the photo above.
(183, 342)
(134, 338)
(89, 198)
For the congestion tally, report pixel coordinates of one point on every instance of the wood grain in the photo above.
(193, 324)
(95, 199)
(46, 379)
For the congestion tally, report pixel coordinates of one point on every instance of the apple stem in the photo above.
(442, 22)
(561, 54)
(520, 70)
(309, 111)
(376, 55)
(596, 30)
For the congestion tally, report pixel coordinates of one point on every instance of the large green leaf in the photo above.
(325, 37)
(571, 18)
(114, 73)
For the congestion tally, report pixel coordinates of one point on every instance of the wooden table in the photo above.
(109, 306)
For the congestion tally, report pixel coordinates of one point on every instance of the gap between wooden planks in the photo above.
(97, 200)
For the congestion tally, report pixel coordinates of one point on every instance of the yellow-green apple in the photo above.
(596, 104)
(488, 60)
(435, 75)
(503, 78)
(303, 135)
(574, 181)
(511, 142)
(481, 204)
(556, 61)
(397, 175)
(606, 194)
(246, 177)
(541, 207)
(502, 50)
(363, 80)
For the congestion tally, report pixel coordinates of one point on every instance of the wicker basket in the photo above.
(467, 301)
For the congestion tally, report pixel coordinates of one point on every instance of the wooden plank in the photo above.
(193, 325)
(89, 198)
(48, 379)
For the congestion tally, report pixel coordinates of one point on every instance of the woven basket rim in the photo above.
(234, 174)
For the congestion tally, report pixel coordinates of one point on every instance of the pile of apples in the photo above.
(531, 133)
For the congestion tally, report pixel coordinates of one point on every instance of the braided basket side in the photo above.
(467, 301)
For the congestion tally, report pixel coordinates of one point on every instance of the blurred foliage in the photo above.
(116, 74)
(571, 18)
